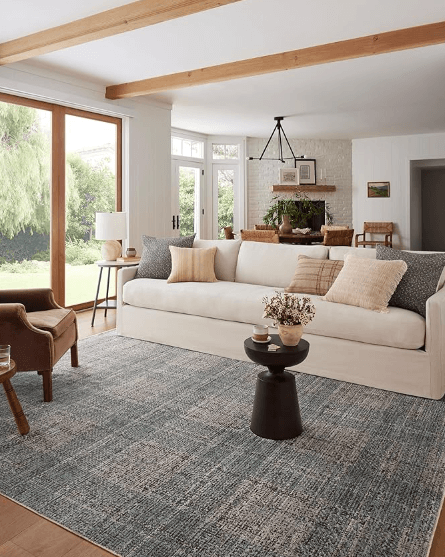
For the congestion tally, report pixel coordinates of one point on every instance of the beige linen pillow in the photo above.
(366, 283)
(192, 265)
(314, 276)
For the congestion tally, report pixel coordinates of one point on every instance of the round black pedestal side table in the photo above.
(276, 413)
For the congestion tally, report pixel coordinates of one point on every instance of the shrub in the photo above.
(79, 252)
(24, 267)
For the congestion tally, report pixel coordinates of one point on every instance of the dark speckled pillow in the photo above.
(420, 280)
(156, 259)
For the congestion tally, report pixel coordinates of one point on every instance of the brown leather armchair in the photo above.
(38, 330)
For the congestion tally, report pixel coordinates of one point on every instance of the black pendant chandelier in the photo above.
(280, 133)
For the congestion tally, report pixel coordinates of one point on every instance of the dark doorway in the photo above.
(433, 203)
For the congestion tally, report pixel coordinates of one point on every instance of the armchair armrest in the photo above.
(31, 348)
(357, 236)
(34, 299)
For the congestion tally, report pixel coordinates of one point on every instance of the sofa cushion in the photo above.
(225, 258)
(156, 261)
(232, 301)
(272, 264)
(339, 252)
(56, 321)
(366, 283)
(192, 265)
(420, 281)
(314, 276)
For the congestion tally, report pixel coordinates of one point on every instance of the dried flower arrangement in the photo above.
(288, 309)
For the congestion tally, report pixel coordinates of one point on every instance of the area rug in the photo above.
(146, 450)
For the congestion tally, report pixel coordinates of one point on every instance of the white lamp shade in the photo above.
(111, 226)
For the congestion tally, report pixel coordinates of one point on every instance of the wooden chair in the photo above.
(381, 228)
(325, 227)
(338, 237)
(265, 227)
(269, 236)
(38, 330)
(228, 233)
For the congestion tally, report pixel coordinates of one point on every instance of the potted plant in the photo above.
(290, 313)
(298, 213)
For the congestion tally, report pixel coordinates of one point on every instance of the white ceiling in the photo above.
(391, 94)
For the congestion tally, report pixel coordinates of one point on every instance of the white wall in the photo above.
(333, 156)
(389, 159)
(146, 141)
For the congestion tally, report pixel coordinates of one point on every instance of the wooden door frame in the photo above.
(58, 161)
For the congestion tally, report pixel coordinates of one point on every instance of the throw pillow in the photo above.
(366, 283)
(314, 276)
(420, 281)
(192, 265)
(156, 261)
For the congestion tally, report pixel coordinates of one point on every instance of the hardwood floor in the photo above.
(25, 534)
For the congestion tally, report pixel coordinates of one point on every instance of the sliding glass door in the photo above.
(58, 167)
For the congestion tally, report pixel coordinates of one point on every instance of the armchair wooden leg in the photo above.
(74, 356)
(47, 384)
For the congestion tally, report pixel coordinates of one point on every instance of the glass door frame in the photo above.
(199, 194)
(57, 215)
(237, 205)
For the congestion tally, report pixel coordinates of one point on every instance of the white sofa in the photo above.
(398, 351)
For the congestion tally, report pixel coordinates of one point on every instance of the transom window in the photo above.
(187, 148)
(225, 151)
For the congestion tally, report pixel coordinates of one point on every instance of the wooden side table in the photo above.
(20, 419)
(276, 412)
(109, 304)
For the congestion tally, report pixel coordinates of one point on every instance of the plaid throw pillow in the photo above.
(314, 276)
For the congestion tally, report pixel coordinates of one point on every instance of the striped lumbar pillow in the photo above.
(314, 276)
(192, 265)
(366, 283)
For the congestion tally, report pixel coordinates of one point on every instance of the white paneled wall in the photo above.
(389, 159)
(333, 156)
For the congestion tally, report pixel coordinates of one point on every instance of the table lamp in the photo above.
(111, 227)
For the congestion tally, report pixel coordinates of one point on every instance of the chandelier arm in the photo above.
(291, 150)
(280, 143)
(267, 144)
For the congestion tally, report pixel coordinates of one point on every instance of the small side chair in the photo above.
(381, 228)
(39, 332)
(342, 237)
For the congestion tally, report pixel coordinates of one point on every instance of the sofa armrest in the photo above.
(34, 299)
(124, 275)
(435, 340)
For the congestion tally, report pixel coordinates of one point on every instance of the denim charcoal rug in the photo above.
(146, 450)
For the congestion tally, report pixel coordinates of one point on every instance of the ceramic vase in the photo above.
(286, 227)
(290, 335)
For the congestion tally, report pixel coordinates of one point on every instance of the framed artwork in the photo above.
(289, 176)
(306, 168)
(378, 189)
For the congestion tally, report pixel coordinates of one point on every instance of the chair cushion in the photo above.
(56, 321)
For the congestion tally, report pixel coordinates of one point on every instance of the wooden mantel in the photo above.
(302, 188)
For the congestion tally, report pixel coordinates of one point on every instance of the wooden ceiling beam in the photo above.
(390, 41)
(105, 24)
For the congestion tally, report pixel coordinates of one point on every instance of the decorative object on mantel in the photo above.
(285, 227)
(298, 213)
(378, 189)
(291, 313)
(290, 176)
(111, 227)
(306, 168)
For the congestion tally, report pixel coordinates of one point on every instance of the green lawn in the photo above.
(81, 282)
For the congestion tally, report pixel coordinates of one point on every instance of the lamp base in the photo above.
(111, 250)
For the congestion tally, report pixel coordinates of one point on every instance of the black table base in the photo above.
(276, 413)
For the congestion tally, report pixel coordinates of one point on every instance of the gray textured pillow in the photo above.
(419, 282)
(156, 259)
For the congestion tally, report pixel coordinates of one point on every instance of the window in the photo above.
(51, 185)
(225, 151)
(189, 148)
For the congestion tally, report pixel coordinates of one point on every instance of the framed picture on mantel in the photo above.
(289, 177)
(306, 169)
